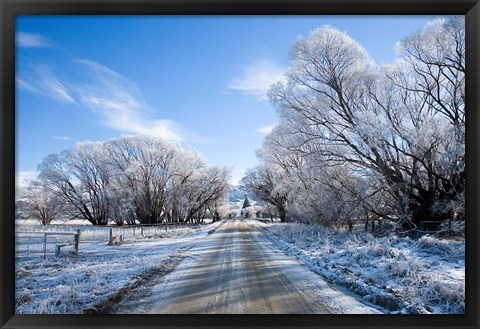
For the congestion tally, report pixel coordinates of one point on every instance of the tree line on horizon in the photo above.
(126, 180)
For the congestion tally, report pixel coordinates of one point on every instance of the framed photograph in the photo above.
(239, 164)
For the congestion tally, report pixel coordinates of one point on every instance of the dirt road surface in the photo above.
(237, 270)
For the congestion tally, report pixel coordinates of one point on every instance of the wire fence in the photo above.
(142, 231)
(49, 239)
(41, 244)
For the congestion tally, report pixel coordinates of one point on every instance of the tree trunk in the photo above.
(282, 213)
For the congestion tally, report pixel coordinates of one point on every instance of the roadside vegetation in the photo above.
(361, 143)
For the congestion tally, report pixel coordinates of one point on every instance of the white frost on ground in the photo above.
(400, 274)
(404, 275)
(72, 284)
(220, 273)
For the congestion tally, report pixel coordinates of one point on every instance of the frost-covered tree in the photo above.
(207, 190)
(80, 177)
(246, 202)
(136, 179)
(350, 132)
(189, 164)
(266, 183)
(142, 166)
(121, 209)
(429, 96)
(436, 58)
(41, 203)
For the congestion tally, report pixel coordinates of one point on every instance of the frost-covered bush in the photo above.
(452, 250)
(399, 273)
(302, 234)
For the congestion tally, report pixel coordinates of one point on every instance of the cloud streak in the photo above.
(256, 79)
(22, 84)
(120, 104)
(41, 79)
(31, 40)
(116, 100)
(62, 138)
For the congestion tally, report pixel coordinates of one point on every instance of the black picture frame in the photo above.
(9, 9)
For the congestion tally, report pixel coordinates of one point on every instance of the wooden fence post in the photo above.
(76, 238)
(110, 239)
(45, 246)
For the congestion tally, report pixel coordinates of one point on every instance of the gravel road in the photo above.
(237, 270)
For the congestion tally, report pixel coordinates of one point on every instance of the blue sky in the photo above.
(198, 79)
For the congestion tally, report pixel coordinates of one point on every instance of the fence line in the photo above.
(38, 244)
(121, 233)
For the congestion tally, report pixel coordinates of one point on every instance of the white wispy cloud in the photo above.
(116, 100)
(266, 129)
(55, 88)
(120, 104)
(63, 138)
(22, 84)
(41, 79)
(31, 40)
(256, 78)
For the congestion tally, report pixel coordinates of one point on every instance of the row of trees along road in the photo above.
(358, 141)
(127, 180)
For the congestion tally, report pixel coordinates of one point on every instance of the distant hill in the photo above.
(236, 194)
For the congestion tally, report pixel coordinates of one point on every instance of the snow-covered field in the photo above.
(401, 274)
(77, 284)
